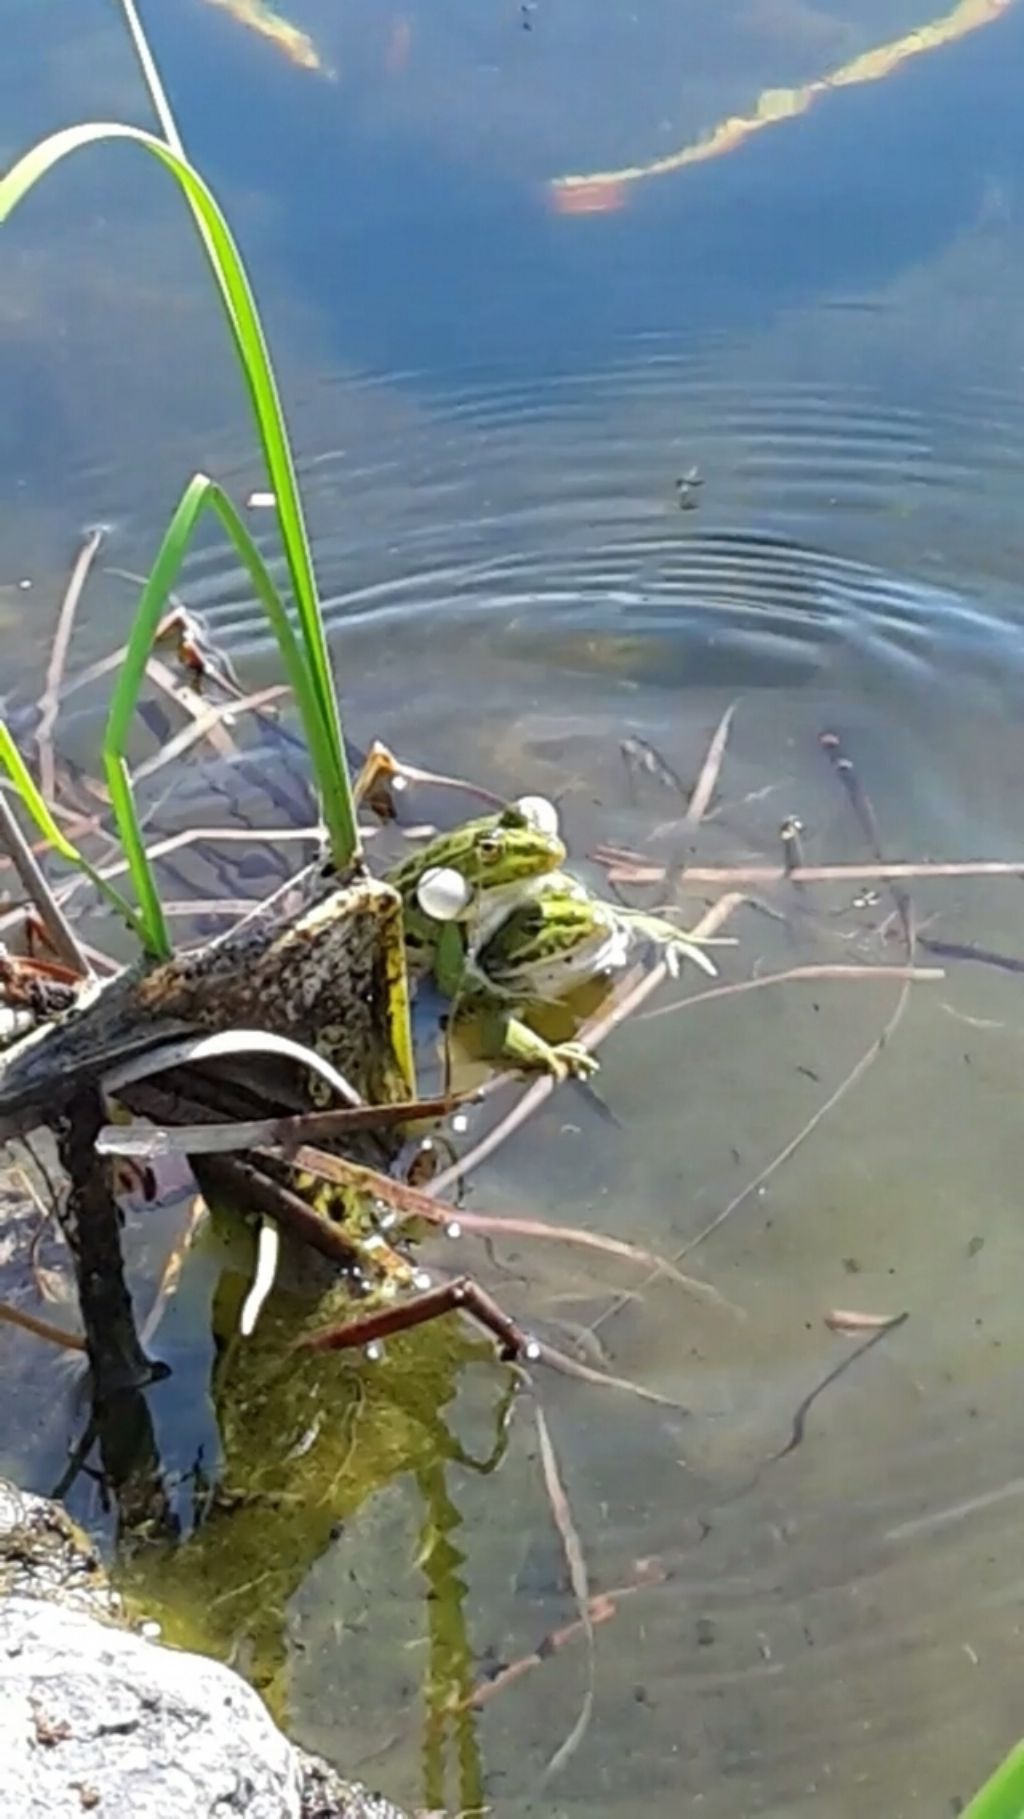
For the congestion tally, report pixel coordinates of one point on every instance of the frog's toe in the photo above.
(678, 951)
(575, 1060)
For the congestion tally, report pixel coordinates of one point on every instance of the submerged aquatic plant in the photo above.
(305, 654)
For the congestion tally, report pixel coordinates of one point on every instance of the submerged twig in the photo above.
(855, 1074)
(43, 1329)
(462, 1295)
(586, 1373)
(800, 1418)
(578, 1579)
(863, 808)
(512, 1226)
(59, 932)
(789, 1149)
(968, 950)
(275, 1135)
(246, 1186)
(210, 716)
(193, 705)
(797, 974)
(707, 781)
(603, 1607)
(191, 836)
(167, 1287)
(623, 869)
(50, 698)
(419, 1203)
(633, 989)
(850, 1080)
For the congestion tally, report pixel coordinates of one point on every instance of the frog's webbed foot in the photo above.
(571, 1059)
(679, 950)
(514, 1041)
(674, 942)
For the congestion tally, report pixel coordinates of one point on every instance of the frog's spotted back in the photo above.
(547, 945)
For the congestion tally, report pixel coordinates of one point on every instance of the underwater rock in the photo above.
(95, 1716)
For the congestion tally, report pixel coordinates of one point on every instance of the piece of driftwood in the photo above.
(321, 977)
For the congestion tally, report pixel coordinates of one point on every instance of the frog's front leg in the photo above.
(450, 960)
(507, 1038)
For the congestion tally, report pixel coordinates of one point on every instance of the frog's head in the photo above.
(489, 854)
(507, 849)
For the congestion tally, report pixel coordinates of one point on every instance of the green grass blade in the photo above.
(250, 343)
(201, 494)
(122, 801)
(1002, 1797)
(36, 806)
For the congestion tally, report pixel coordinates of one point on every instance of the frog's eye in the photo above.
(491, 847)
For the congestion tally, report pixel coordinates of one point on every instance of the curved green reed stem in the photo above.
(327, 749)
(201, 494)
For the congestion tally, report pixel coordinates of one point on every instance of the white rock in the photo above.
(86, 1709)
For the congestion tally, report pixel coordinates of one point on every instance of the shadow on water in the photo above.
(498, 412)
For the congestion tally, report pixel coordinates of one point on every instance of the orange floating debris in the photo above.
(294, 44)
(599, 197)
(774, 105)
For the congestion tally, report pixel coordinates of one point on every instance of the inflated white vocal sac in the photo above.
(539, 812)
(442, 893)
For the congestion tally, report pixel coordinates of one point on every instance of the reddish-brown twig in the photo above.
(621, 870)
(462, 1295)
(418, 1203)
(801, 974)
(43, 1329)
(603, 1607)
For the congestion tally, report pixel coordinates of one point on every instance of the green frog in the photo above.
(557, 937)
(517, 929)
(495, 864)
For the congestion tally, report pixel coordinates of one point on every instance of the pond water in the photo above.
(586, 462)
